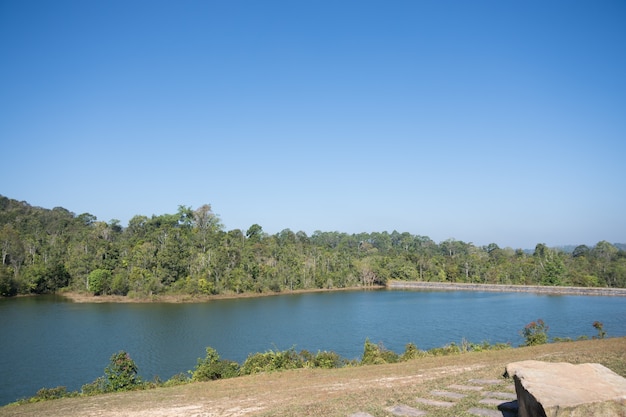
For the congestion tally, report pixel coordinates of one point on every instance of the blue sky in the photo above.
(482, 121)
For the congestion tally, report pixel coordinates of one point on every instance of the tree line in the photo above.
(190, 252)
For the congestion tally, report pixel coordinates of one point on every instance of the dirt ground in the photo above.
(316, 392)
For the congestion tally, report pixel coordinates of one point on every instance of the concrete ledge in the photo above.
(547, 389)
(538, 289)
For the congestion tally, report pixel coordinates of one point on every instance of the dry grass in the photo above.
(337, 392)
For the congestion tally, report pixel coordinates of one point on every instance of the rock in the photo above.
(436, 403)
(465, 387)
(405, 410)
(484, 412)
(448, 394)
(547, 389)
(501, 395)
(485, 381)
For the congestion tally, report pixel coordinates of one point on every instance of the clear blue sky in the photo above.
(483, 121)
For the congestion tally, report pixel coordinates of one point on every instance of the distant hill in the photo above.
(570, 248)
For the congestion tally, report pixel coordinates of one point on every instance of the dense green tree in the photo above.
(47, 278)
(189, 252)
(255, 233)
(99, 281)
(8, 286)
(580, 250)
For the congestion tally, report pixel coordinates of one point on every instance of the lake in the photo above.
(49, 341)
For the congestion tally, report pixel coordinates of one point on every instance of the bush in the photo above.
(410, 352)
(535, 333)
(600, 328)
(450, 349)
(96, 387)
(45, 394)
(272, 361)
(562, 339)
(328, 360)
(501, 346)
(121, 374)
(377, 354)
(212, 367)
(178, 379)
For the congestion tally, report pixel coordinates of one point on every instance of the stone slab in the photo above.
(465, 387)
(448, 394)
(436, 403)
(502, 395)
(550, 389)
(484, 412)
(502, 405)
(361, 414)
(405, 410)
(491, 401)
(486, 381)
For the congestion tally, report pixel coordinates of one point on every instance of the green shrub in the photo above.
(255, 363)
(272, 361)
(600, 328)
(308, 358)
(93, 388)
(178, 379)
(45, 394)
(450, 349)
(121, 374)
(328, 360)
(212, 367)
(535, 333)
(377, 354)
(561, 339)
(501, 346)
(410, 352)
(480, 347)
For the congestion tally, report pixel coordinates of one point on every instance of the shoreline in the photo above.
(536, 289)
(79, 297)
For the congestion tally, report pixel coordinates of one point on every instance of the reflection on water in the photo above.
(47, 341)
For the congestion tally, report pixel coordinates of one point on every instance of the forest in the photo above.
(190, 252)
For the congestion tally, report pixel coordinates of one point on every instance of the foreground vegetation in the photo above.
(329, 392)
(189, 252)
(122, 373)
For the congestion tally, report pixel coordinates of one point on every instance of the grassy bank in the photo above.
(334, 392)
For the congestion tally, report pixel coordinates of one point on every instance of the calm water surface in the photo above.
(49, 341)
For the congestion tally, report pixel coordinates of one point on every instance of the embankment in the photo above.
(538, 289)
